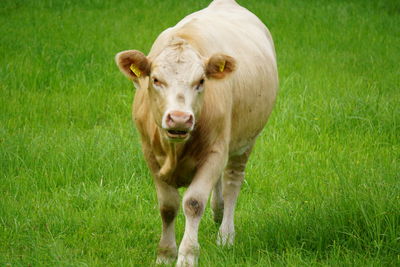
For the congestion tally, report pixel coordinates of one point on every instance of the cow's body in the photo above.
(234, 109)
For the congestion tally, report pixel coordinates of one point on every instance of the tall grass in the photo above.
(323, 184)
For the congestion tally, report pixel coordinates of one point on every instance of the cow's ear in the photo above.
(218, 66)
(133, 64)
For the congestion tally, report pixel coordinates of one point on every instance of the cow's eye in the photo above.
(156, 82)
(199, 86)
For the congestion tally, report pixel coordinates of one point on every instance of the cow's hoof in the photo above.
(187, 260)
(225, 239)
(161, 259)
(166, 255)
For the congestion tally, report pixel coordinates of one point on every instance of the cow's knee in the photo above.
(193, 207)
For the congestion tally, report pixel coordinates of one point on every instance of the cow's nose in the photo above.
(179, 120)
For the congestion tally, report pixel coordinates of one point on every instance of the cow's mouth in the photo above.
(177, 134)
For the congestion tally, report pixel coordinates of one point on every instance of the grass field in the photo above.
(323, 184)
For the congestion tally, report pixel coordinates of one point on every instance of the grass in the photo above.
(323, 184)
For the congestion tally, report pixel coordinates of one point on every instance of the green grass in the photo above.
(323, 183)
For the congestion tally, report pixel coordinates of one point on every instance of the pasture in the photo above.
(323, 183)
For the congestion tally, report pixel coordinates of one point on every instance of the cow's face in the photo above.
(176, 80)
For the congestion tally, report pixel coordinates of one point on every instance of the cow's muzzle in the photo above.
(179, 125)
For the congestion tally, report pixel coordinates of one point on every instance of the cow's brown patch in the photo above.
(168, 214)
(193, 207)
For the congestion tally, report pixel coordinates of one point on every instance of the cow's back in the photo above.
(225, 27)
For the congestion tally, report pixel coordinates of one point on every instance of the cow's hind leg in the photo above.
(231, 183)
(217, 202)
(168, 201)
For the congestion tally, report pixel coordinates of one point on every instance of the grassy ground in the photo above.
(323, 184)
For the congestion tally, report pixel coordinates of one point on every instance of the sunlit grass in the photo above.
(323, 183)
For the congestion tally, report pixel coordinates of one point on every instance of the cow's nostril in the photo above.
(169, 121)
(169, 118)
(190, 120)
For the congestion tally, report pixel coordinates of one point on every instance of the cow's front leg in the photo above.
(194, 202)
(168, 201)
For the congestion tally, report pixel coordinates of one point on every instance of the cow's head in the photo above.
(176, 79)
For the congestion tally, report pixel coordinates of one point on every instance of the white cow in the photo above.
(205, 92)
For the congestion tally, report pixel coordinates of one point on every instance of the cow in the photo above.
(204, 93)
